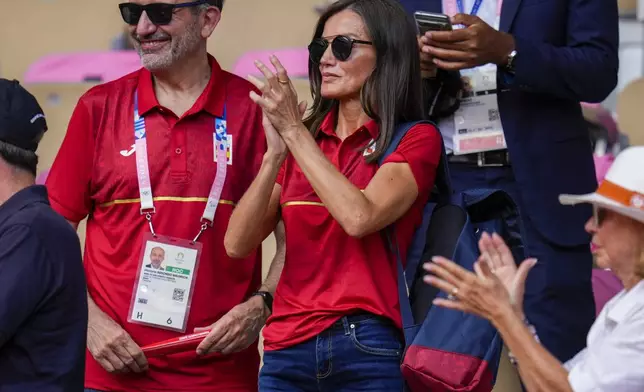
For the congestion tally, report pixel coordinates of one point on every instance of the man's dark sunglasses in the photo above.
(159, 13)
(341, 46)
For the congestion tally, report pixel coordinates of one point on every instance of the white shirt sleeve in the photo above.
(616, 364)
(580, 357)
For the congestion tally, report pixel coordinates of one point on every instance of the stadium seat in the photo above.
(630, 116)
(30, 30)
(296, 62)
(82, 67)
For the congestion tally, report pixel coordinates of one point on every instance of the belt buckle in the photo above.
(480, 161)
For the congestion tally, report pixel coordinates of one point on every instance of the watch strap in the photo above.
(267, 297)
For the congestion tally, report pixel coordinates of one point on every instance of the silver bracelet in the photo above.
(533, 331)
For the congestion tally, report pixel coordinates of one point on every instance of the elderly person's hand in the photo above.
(496, 285)
(499, 258)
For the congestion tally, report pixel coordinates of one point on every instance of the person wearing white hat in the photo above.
(614, 357)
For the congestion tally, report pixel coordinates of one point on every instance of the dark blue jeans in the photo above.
(358, 353)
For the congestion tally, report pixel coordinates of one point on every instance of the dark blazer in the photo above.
(567, 53)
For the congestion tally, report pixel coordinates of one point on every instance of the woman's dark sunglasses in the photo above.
(159, 13)
(341, 46)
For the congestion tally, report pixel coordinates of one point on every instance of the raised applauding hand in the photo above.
(279, 104)
(495, 285)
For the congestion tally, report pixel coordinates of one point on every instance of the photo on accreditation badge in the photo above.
(162, 290)
(157, 256)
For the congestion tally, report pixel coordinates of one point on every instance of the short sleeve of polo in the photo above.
(68, 182)
(421, 149)
(24, 274)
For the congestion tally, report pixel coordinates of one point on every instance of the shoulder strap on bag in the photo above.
(442, 194)
(405, 306)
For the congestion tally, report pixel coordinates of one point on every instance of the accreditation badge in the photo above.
(164, 283)
(477, 123)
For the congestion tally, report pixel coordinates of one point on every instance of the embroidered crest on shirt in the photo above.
(371, 148)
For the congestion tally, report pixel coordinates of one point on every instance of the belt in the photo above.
(482, 159)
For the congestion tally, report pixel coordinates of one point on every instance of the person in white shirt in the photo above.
(613, 360)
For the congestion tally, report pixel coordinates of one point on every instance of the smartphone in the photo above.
(429, 21)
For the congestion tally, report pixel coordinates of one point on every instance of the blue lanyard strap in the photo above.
(475, 7)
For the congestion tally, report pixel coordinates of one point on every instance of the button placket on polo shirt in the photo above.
(178, 153)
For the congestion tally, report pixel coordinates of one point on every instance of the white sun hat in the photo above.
(622, 190)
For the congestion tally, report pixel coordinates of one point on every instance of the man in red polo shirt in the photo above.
(158, 159)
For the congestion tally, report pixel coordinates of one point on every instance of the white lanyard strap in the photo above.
(220, 143)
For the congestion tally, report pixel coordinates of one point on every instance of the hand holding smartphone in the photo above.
(429, 21)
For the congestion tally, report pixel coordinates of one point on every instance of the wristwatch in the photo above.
(509, 66)
(267, 297)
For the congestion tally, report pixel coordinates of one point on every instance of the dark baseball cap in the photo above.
(22, 121)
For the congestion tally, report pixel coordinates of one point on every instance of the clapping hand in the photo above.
(499, 258)
(495, 286)
(279, 99)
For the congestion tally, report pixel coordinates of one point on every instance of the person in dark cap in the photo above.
(43, 306)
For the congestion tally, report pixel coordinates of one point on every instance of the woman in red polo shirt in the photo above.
(336, 322)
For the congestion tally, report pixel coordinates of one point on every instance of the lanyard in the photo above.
(475, 7)
(452, 7)
(220, 142)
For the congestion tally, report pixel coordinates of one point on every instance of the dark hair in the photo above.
(393, 92)
(19, 157)
(217, 3)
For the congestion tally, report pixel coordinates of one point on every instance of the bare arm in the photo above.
(482, 293)
(388, 196)
(275, 270)
(539, 370)
(240, 327)
(256, 215)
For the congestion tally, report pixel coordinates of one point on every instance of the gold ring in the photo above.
(454, 292)
(282, 81)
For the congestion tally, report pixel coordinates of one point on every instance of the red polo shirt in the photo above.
(94, 174)
(329, 274)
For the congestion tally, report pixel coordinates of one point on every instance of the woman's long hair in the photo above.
(393, 92)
